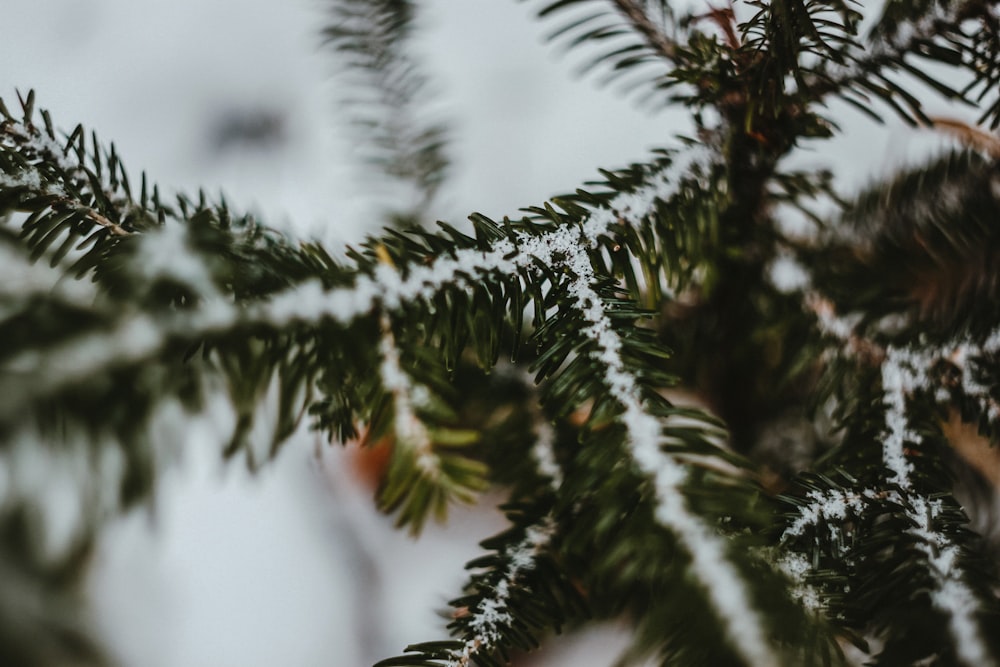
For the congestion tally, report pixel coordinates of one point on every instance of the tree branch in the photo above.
(641, 22)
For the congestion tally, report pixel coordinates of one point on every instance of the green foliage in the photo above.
(384, 94)
(727, 433)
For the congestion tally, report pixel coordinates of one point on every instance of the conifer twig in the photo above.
(639, 18)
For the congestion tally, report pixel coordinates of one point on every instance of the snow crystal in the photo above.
(797, 568)
(29, 178)
(832, 504)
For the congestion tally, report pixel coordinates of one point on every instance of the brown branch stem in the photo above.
(103, 221)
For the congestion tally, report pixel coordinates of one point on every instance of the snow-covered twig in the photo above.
(40, 144)
(411, 434)
(565, 249)
(491, 618)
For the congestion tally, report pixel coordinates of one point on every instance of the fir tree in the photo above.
(741, 436)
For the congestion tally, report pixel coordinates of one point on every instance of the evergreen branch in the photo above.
(845, 517)
(632, 504)
(566, 249)
(529, 253)
(838, 524)
(932, 31)
(710, 566)
(638, 16)
(209, 318)
(59, 173)
(489, 623)
(847, 520)
(517, 591)
(385, 95)
(421, 479)
(632, 38)
(516, 582)
(951, 593)
(642, 432)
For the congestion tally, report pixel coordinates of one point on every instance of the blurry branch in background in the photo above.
(385, 94)
(627, 41)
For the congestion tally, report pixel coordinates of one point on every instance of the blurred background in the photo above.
(292, 565)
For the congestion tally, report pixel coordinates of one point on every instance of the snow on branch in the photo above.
(139, 337)
(564, 249)
(906, 371)
(726, 591)
(487, 622)
(36, 143)
(491, 619)
(964, 357)
(951, 594)
(829, 505)
(411, 433)
(40, 146)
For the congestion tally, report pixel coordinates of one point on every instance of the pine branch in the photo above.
(934, 32)
(421, 478)
(620, 498)
(849, 525)
(632, 37)
(519, 589)
(385, 95)
(640, 19)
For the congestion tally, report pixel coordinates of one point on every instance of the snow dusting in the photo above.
(491, 618)
(797, 568)
(952, 596)
(410, 431)
(906, 371)
(902, 373)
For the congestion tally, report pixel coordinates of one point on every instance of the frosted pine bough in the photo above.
(673, 272)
